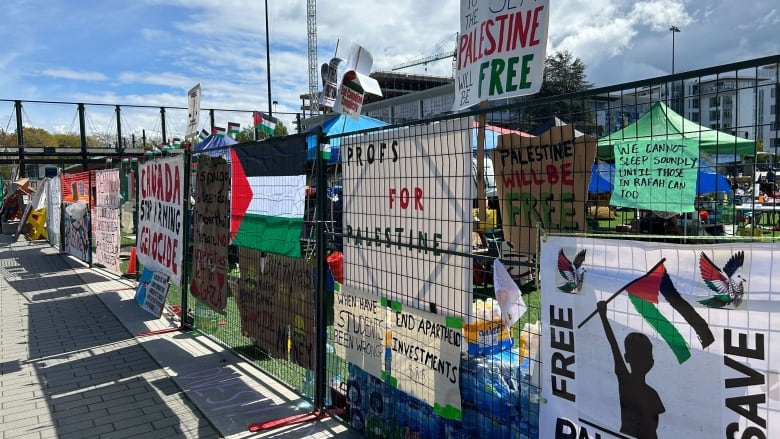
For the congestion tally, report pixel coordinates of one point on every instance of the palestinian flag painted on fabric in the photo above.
(643, 293)
(268, 194)
(233, 128)
(264, 123)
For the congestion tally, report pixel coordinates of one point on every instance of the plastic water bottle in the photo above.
(307, 387)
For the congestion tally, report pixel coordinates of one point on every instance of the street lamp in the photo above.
(268, 59)
(674, 30)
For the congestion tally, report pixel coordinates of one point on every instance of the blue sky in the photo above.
(150, 52)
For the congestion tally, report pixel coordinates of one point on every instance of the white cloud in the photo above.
(65, 73)
(150, 52)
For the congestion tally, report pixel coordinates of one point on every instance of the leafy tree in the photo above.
(36, 137)
(247, 134)
(68, 140)
(563, 74)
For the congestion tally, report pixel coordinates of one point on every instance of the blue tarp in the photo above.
(603, 175)
(214, 142)
(339, 124)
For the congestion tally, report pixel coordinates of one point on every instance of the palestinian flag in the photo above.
(266, 124)
(176, 142)
(643, 293)
(203, 134)
(219, 132)
(268, 194)
(233, 128)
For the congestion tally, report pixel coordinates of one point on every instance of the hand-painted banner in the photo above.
(501, 49)
(106, 222)
(211, 232)
(542, 181)
(360, 329)
(408, 181)
(659, 340)
(275, 300)
(425, 356)
(54, 212)
(656, 174)
(261, 304)
(77, 224)
(161, 216)
(152, 291)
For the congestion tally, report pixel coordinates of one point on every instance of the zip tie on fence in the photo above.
(540, 231)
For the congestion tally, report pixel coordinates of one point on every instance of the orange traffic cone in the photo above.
(130, 272)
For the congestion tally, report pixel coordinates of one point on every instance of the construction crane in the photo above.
(311, 28)
(439, 54)
(425, 60)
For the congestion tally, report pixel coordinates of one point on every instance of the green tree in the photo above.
(247, 134)
(68, 140)
(563, 74)
(36, 137)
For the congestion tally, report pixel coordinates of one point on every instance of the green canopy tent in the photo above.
(662, 122)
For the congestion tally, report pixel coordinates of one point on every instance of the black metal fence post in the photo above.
(320, 320)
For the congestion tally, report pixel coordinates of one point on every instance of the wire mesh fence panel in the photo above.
(420, 242)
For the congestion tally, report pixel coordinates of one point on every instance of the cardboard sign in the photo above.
(152, 291)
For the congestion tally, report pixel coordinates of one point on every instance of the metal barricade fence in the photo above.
(420, 231)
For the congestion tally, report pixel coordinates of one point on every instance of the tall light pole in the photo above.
(268, 59)
(674, 30)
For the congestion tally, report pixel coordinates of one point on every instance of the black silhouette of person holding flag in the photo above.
(640, 404)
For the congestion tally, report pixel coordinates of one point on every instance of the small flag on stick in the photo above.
(508, 295)
(264, 123)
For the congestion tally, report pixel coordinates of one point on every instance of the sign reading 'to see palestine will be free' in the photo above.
(501, 49)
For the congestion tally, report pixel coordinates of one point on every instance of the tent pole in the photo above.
(481, 196)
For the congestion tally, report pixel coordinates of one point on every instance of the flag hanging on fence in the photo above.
(643, 293)
(264, 123)
(268, 194)
(233, 128)
(219, 131)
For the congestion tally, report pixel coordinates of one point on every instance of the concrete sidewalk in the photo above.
(72, 363)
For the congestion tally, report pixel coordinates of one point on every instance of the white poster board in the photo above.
(666, 356)
(54, 212)
(360, 329)
(425, 356)
(152, 292)
(410, 248)
(193, 111)
(106, 221)
(501, 50)
(161, 216)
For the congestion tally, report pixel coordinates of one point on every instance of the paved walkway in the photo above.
(72, 365)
